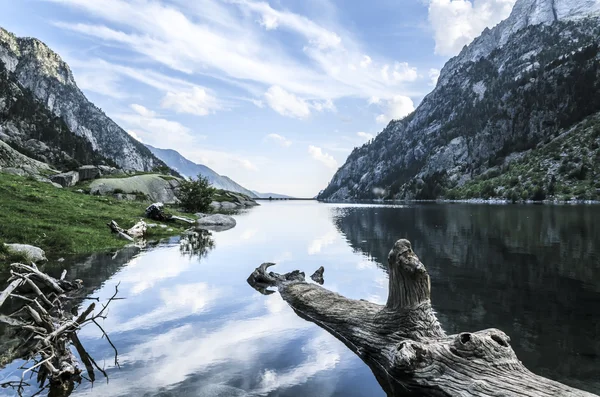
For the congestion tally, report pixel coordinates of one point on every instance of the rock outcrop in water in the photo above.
(518, 85)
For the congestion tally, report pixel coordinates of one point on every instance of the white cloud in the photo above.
(195, 101)
(434, 75)
(280, 140)
(135, 136)
(258, 103)
(457, 22)
(321, 106)
(152, 129)
(325, 158)
(286, 104)
(215, 39)
(374, 100)
(366, 61)
(396, 108)
(142, 110)
(365, 135)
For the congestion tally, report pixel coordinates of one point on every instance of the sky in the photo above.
(274, 94)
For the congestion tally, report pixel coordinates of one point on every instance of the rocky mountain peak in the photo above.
(525, 13)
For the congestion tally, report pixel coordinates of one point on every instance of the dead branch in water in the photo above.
(47, 330)
(136, 231)
(404, 344)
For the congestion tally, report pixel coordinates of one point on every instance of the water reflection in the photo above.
(191, 326)
(532, 271)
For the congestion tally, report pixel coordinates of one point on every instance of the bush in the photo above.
(195, 195)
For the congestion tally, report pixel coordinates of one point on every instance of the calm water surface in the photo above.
(191, 326)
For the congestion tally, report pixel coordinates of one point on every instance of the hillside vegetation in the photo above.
(565, 168)
(63, 221)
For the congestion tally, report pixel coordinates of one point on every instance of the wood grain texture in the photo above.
(403, 342)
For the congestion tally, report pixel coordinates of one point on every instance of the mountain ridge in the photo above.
(189, 169)
(544, 78)
(40, 70)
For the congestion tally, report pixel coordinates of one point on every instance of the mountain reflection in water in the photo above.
(191, 326)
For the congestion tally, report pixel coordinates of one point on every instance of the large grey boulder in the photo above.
(66, 179)
(13, 171)
(107, 170)
(156, 187)
(34, 254)
(88, 172)
(216, 222)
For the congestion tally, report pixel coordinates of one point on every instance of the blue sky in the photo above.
(274, 94)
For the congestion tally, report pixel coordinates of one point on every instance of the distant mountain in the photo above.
(37, 69)
(273, 195)
(190, 169)
(514, 89)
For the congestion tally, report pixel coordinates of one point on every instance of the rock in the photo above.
(216, 205)
(88, 172)
(56, 185)
(14, 171)
(226, 205)
(317, 276)
(66, 179)
(216, 222)
(60, 260)
(151, 225)
(79, 191)
(155, 187)
(34, 254)
(200, 215)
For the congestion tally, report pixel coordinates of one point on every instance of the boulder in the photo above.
(107, 170)
(56, 185)
(66, 179)
(13, 171)
(216, 222)
(34, 254)
(154, 186)
(88, 172)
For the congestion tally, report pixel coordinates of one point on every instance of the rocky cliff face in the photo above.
(518, 84)
(30, 128)
(42, 72)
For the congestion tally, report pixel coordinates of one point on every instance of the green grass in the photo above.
(62, 221)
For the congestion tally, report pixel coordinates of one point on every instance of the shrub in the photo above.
(195, 195)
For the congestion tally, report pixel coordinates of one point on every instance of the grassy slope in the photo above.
(566, 168)
(62, 221)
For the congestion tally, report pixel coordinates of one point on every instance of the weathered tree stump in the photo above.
(404, 344)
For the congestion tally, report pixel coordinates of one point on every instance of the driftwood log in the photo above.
(136, 231)
(47, 329)
(404, 344)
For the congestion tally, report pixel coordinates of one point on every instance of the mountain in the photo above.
(272, 195)
(30, 128)
(518, 86)
(47, 78)
(190, 169)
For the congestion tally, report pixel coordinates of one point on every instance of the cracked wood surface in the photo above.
(403, 342)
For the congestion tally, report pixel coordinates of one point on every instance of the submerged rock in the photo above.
(216, 222)
(34, 254)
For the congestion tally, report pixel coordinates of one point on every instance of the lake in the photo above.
(191, 325)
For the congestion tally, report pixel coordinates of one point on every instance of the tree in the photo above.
(195, 195)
